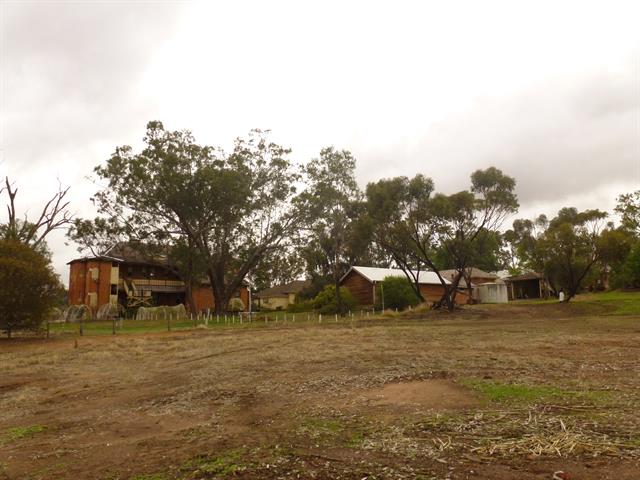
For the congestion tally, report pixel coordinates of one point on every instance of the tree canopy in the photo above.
(232, 209)
(29, 290)
(421, 230)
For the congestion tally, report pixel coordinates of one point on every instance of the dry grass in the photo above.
(289, 399)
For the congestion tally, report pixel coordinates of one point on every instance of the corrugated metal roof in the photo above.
(475, 273)
(524, 276)
(375, 274)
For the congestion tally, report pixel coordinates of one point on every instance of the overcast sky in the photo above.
(547, 91)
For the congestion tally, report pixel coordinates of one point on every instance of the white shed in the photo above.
(493, 293)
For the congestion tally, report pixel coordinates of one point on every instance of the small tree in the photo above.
(29, 290)
(629, 271)
(397, 292)
(573, 243)
(326, 301)
(628, 207)
(332, 201)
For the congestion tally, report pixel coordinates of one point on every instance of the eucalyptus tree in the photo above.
(403, 225)
(419, 228)
(573, 243)
(469, 221)
(628, 207)
(337, 235)
(228, 209)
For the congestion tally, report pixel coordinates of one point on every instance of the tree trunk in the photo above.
(218, 291)
(191, 304)
(338, 296)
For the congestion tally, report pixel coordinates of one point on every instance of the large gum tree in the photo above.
(232, 209)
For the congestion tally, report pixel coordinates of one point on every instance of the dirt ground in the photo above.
(517, 392)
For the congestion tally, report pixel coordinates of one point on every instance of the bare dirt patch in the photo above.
(434, 394)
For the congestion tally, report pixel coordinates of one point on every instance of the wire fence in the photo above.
(168, 321)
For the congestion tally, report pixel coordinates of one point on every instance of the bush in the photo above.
(236, 305)
(325, 301)
(29, 287)
(300, 306)
(627, 275)
(398, 293)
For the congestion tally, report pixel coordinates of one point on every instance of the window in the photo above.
(114, 289)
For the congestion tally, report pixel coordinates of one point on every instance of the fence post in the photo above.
(81, 327)
(319, 318)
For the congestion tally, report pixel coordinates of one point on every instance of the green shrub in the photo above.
(236, 305)
(325, 301)
(627, 275)
(397, 293)
(29, 287)
(300, 306)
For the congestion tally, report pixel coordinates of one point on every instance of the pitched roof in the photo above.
(524, 276)
(283, 290)
(139, 253)
(96, 257)
(128, 253)
(475, 273)
(375, 274)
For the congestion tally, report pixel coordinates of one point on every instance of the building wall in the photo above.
(363, 290)
(493, 293)
(204, 299)
(274, 303)
(82, 285)
(360, 288)
(133, 271)
(433, 293)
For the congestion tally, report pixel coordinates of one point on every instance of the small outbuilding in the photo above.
(492, 292)
(364, 284)
(528, 285)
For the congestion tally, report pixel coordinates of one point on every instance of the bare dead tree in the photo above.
(53, 216)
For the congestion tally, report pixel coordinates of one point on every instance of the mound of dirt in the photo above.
(436, 394)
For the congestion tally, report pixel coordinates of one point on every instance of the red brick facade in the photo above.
(90, 283)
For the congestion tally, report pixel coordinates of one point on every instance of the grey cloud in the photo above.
(71, 69)
(557, 140)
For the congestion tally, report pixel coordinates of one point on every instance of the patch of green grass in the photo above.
(356, 439)
(323, 425)
(520, 393)
(18, 433)
(512, 392)
(618, 302)
(225, 464)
